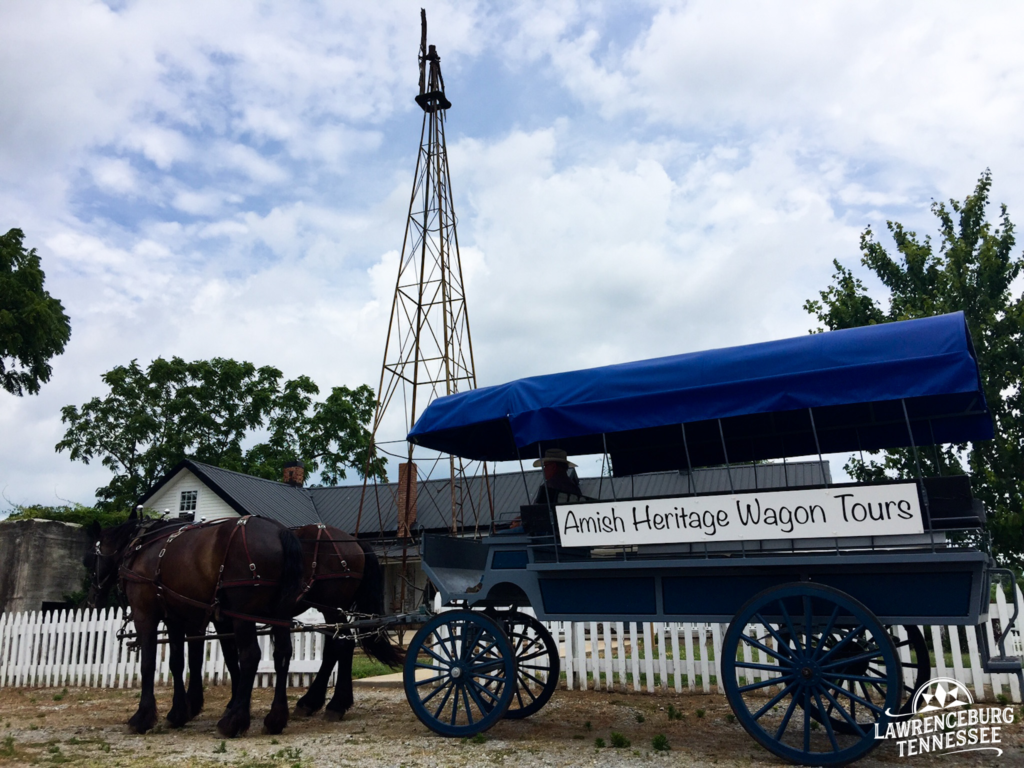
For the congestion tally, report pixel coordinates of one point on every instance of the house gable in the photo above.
(175, 496)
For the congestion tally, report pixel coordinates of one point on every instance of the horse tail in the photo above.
(369, 598)
(291, 572)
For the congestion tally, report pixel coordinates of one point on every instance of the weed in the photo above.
(274, 741)
(289, 753)
(674, 714)
(640, 717)
(33, 727)
(599, 742)
(221, 748)
(587, 726)
(660, 743)
(730, 718)
(578, 736)
(699, 713)
(8, 748)
(1003, 699)
(478, 739)
(814, 725)
(60, 696)
(619, 741)
(105, 747)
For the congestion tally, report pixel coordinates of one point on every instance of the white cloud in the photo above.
(228, 178)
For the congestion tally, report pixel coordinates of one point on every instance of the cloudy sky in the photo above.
(631, 179)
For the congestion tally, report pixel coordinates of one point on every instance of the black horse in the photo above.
(236, 572)
(343, 576)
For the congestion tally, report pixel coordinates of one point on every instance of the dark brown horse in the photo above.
(236, 572)
(342, 576)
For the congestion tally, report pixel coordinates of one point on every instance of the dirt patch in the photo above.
(84, 727)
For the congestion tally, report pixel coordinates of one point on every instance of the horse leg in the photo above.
(317, 693)
(236, 718)
(342, 700)
(179, 714)
(277, 718)
(196, 657)
(229, 648)
(145, 716)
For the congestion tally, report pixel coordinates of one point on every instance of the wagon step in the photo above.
(1002, 663)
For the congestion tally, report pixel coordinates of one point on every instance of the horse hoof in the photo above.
(305, 710)
(175, 720)
(273, 725)
(229, 728)
(141, 722)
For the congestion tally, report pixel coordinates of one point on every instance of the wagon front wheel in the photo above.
(794, 652)
(460, 673)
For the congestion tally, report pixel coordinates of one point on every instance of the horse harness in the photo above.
(345, 573)
(144, 538)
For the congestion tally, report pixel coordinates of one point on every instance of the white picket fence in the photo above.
(81, 649)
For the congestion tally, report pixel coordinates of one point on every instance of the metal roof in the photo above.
(339, 506)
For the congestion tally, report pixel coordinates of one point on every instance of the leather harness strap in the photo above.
(163, 591)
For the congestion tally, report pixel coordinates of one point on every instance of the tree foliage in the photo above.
(212, 411)
(33, 326)
(69, 513)
(972, 269)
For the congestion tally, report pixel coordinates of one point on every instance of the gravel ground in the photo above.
(84, 727)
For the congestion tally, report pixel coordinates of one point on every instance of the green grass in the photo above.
(362, 666)
(619, 741)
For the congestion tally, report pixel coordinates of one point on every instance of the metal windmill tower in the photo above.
(429, 351)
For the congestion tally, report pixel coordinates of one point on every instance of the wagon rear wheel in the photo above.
(537, 664)
(793, 652)
(460, 673)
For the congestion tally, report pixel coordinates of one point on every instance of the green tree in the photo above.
(208, 410)
(972, 270)
(33, 326)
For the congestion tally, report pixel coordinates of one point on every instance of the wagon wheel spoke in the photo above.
(448, 692)
(807, 721)
(786, 718)
(765, 649)
(773, 701)
(429, 680)
(789, 625)
(828, 724)
(783, 644)
(827, 631)
(835, 705)
(856, 698)
(764, 683)
(838, 646)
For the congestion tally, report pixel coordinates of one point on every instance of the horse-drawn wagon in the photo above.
(812, 580)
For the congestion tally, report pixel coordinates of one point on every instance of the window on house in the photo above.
(188, 501)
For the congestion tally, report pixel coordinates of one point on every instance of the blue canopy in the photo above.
(843, 391)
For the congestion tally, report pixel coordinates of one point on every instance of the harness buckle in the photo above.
(252, 566)
(161, 553)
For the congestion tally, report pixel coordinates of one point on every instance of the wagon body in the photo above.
(824, 603)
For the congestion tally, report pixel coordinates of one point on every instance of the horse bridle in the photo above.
(101, 585)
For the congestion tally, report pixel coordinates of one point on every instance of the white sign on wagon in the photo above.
(868, 510)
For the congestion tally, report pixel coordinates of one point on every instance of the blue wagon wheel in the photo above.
(794, 663)
(537, 664)
(460, 673)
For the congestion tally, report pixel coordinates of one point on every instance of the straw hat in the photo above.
(554, 454)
